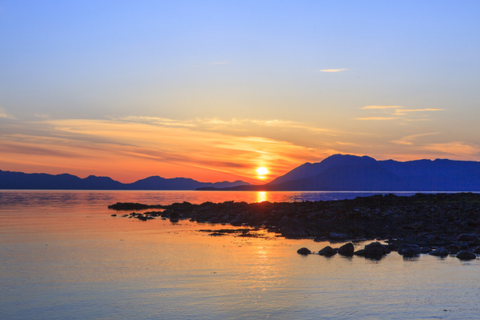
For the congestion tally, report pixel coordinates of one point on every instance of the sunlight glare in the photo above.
(261, 171)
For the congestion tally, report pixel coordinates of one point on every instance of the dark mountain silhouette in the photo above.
(353, 173)
(20, 180)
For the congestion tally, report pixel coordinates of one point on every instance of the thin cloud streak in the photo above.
(408, 140)
(381, 107)
(333, 70)
(144, 146)
(377, 118)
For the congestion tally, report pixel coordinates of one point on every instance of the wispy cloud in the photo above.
(391, 112)
(377, 118)
(174, 149)
(457, 148)
(4, 114)
(408, 140)
(232, 125)
(332, 70)
(403, 112)
(381, 107)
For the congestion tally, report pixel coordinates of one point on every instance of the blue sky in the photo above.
(396, 79)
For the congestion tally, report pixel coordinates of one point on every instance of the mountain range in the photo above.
(20, 180)
(335, 173)
(354, 173)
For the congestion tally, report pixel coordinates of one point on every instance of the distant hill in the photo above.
(353, 173)
(20, 180)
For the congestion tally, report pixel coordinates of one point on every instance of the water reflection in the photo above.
(261, 196)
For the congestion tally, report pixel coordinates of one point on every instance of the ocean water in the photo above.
(62, 256)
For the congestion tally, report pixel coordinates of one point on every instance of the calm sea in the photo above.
(62, 256)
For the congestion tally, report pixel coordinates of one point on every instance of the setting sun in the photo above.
(261, 171)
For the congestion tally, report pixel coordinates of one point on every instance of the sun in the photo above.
(261, 171)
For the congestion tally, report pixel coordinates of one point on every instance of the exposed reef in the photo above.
(410, 225)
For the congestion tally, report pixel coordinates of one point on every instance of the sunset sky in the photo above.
(213, 90)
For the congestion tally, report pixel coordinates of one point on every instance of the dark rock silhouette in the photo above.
(327, 251)
(466, 255)
(304, 251)
(440, 252)
(347, 249)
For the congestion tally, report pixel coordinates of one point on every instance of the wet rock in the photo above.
(467, 237)
(410, 250)
(346, 249)
(426, 250)
(237, 221)
(453, 249)
(360, 253)
(327, 251)
(338, 236)
(375, 250)
(440, 252)
(304, 251)
(174, 217)
(466, 255)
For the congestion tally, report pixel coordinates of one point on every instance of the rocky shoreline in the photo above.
(411, 225)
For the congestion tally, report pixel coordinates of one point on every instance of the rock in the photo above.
(237, 221)
(304, 251)
(174, 217)
(467, 237)
(360, 253)
(113, 215)
(410, 250)
(452, 248)
(346, 249)
(477, 250)
(327, 251)
(338, 236)
(375, 250)
(466, 255)
(440, 252)
(425, 250)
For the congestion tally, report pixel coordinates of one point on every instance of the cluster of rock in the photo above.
(377, 250)
(424, 220)
(150, 215)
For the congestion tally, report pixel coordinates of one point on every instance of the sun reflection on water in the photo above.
(261, 196)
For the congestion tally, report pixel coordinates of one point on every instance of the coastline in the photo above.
(450, 221)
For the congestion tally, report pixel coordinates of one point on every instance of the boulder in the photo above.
(338, 236)
(440, 252)
(327, 251)
(467, 237)
(304, 251)
(360, 253)
(410, 250)
(375, 250)
(426, 250)
(346, 249)
(466, 255)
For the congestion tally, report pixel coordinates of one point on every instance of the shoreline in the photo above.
(444, 220)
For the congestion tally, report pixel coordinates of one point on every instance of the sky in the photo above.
(213, 90)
